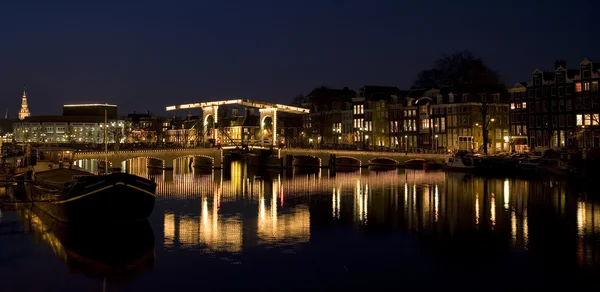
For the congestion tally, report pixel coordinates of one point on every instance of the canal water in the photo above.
(239, 228)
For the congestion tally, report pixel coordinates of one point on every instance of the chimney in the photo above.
(560, 63)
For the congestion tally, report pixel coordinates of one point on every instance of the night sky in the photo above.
(149, 54)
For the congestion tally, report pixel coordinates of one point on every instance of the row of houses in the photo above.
(556, 109)
(387, 118)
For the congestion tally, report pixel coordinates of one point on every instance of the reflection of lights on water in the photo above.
(169, 229)
(436, 203)
(581, 218)
(44, 232)
(493, 210)
(336, 203)
(477, 209)
(405, 196)
(513, 226)
(290, 227)
(525, 229)
(506, 194)
(361, 202)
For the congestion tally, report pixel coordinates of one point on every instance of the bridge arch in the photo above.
(383, 161)
(307, 160)
(347, 161)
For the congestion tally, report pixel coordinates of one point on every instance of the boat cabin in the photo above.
(55, 154)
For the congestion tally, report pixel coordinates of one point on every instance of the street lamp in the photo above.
(436, 142)
(406, 143)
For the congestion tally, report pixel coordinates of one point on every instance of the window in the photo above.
(532, 122)
(561, 79)
(569, 89)
(524, 105)
(536, 81)
(425, 124)
(579, 120)
(359, 109)
(586, 74)
(537, 93)
(561, 121)
(442, 124)
(578, 87)
(594, 86)
(512, 106)
(586, 86)
(553, 91)
(530, 93)
(545, 91)
(569, 121)
(595, 119)
(561, 91)
(587, 120)
(569, 105)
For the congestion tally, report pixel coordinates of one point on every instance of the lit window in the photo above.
(595, 86)
(578, 87)
(587, 120)
(586, 86)
(579, 120)
(524, 105)
(512, 106)
(595, 119)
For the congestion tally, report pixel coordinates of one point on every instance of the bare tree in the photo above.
(298, 100)
(322, 121)
(469, 75)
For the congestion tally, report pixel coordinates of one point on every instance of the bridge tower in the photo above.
(210, 113)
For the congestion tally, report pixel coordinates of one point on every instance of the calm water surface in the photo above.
(233, 229)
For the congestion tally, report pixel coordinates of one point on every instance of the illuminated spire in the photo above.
(24, 112)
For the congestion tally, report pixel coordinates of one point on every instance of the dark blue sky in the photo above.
(149, 54)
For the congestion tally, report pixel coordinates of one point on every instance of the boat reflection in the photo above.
(114, 255)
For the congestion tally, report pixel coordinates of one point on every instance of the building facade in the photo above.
(518, 117)
(71, 128)
(586, 98)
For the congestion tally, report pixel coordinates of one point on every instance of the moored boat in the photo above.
(462, 161)
(76, 196)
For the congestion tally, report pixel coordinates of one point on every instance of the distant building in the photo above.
(80, 123)
(91, 109)
(24, 112)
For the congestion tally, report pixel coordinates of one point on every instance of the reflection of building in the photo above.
(277, 227)
(82, 123)
(209, 229)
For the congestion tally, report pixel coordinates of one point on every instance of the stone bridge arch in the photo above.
(347, 161)
(383, 161)
(307, 160)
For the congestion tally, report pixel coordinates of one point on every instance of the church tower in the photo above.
(24, 112)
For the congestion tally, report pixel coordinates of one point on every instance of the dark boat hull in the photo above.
(112, 198)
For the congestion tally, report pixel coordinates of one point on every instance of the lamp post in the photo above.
(435, 143)
(406, 143)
